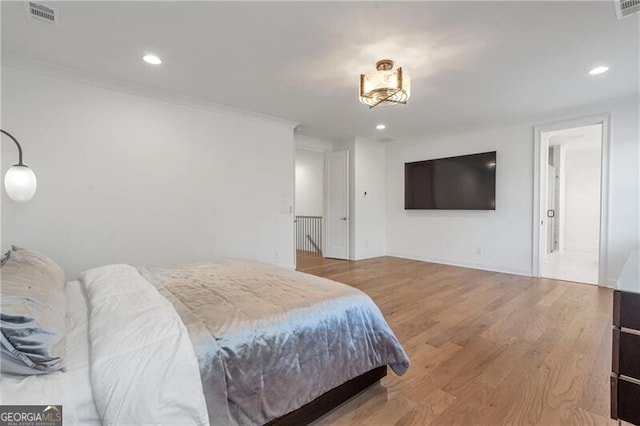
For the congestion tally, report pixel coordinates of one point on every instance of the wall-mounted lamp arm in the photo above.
(17, 144)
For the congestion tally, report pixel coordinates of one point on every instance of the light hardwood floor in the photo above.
(486, 348)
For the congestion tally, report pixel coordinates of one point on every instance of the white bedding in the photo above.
(143, 367)
(131, 361)
(128, 341)
(72, 388)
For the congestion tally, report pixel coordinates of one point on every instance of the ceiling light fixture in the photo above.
(385, 86)
(381, 127)
(152, 59)
(599, 70)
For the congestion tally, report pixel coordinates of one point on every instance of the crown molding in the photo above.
(18, 62)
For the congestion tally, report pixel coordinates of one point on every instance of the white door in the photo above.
(552, 211)
(337, 223)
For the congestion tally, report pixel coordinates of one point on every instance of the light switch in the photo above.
(285, 205)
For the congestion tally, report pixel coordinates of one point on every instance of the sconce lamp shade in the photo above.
(20, 183)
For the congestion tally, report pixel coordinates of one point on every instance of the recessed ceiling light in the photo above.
(599, 70)
(152, 59)
(381, 127)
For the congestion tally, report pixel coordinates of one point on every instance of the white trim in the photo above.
(317, 152)
(539, 158)
(311, 143)
(464, 264)
(325, 182)
(348, 202)
(21, 63)
(325, 202)
(371, 256)
(324, 147)
(293, 206)
(314, 149)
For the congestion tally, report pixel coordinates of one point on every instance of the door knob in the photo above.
(343, 218)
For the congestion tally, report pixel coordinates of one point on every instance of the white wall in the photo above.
(370, 199)
(124, 178)
(624, 185)
(309, 183)
(504, 236)
(581, 192)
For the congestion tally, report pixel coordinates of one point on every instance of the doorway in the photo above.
(571, 207)
(309, 204)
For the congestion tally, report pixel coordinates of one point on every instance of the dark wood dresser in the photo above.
(625, 365)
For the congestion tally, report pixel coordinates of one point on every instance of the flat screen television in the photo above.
(466, 182)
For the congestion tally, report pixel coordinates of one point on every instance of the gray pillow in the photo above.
(5, 257)
(32, 314)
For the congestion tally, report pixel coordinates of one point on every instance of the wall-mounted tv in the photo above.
(466, 182)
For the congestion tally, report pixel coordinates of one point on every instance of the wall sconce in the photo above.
(20, 182)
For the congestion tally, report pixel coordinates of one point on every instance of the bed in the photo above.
(232, 342)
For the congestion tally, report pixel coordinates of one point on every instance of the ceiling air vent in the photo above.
(626, 7)
(42, 13)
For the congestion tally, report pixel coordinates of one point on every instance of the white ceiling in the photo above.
(471, 63)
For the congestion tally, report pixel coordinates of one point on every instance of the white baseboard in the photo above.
(582, 249)
(368, 256)
(291, 266)
(465, 264)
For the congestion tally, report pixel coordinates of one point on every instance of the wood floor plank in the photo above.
(486, 348)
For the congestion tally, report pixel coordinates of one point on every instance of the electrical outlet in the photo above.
(478, 250)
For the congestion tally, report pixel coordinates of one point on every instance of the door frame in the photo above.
(556, 205)
(323, 153)
(541, 152)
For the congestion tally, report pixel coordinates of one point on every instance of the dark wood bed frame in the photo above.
(330, 400)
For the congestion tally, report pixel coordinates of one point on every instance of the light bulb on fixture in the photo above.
(599, 70)
(20, 181)
(381, 126)
(152, 59)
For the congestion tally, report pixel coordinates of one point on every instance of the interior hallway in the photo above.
(572, 265)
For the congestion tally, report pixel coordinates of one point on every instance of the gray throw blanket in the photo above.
(270, 340)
